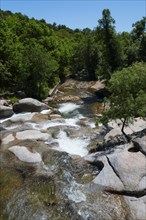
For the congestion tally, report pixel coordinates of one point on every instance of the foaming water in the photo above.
(73, 146)
(92, 124)
(14, 117)
(68, 107)
(70, 122)
(75, 194)
(45, 112)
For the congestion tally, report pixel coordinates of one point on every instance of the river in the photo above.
(59, 186)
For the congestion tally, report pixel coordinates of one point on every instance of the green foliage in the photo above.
(34, 55)
(142, 48)
(86, 55)
(128, 94)
(13, 100)
(139, 29)
(111, 52)
(33, 58)
(107, 21)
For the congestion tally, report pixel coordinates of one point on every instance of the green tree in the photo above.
(139, 29)
(39, 68)
(128, 94)
(86, 55)
(142, 48)
(138, 35)
(106, 22)
(111, 58)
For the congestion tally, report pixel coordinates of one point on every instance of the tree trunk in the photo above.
(122, 129)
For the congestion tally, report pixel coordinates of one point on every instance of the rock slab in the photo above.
(5, 111)
(23, 154)
(29, 105)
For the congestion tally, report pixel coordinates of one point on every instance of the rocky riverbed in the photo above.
(56, 163)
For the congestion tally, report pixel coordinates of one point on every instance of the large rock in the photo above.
(32, 135)
(8, 139)
(115, 136)
(137, 207)
(21, 118)
(137, 126)
(29, 105)
(141, 144)
(5, 111)
(130, 167)
(107, 177)
(67, 98)
(25, 155)
(98, 85)
(4, 102)
(122, 171)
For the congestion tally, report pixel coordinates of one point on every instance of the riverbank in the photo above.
(49, 172)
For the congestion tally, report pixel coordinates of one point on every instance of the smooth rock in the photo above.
(137, 207)
(29, 105)
(4, 102)
(97, 86)
(123, 170)
(107, 176)
(48, 99)
(5, 111)
(115, 137)
(32, 134)
(141, 144)
(67, 98)
(55, 116)
(22, 117)
(130, 167)
(25, 155)
(137, 126)
(8, 139)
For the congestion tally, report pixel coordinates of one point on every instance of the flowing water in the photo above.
(58, 188)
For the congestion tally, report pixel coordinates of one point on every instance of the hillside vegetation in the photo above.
(35, 56)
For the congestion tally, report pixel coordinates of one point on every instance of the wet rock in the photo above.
(97, 86)
(5, 111)
(25, 155)
(54, 131)
(8, 139)
(39, 117)
(48, 100)
(2, 128)
(101, 205)
(67, 98)
(31, 145)
(10, 182)
(17, 120)
(82, 171)
(29, 105)
(81, 132)
(55, 116)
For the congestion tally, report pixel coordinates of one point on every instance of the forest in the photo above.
(35, 55)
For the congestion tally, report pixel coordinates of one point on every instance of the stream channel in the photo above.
(60, 187)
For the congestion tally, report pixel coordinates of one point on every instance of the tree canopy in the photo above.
(35, 56)
(128, 94)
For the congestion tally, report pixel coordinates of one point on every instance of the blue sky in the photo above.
(80, 14)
